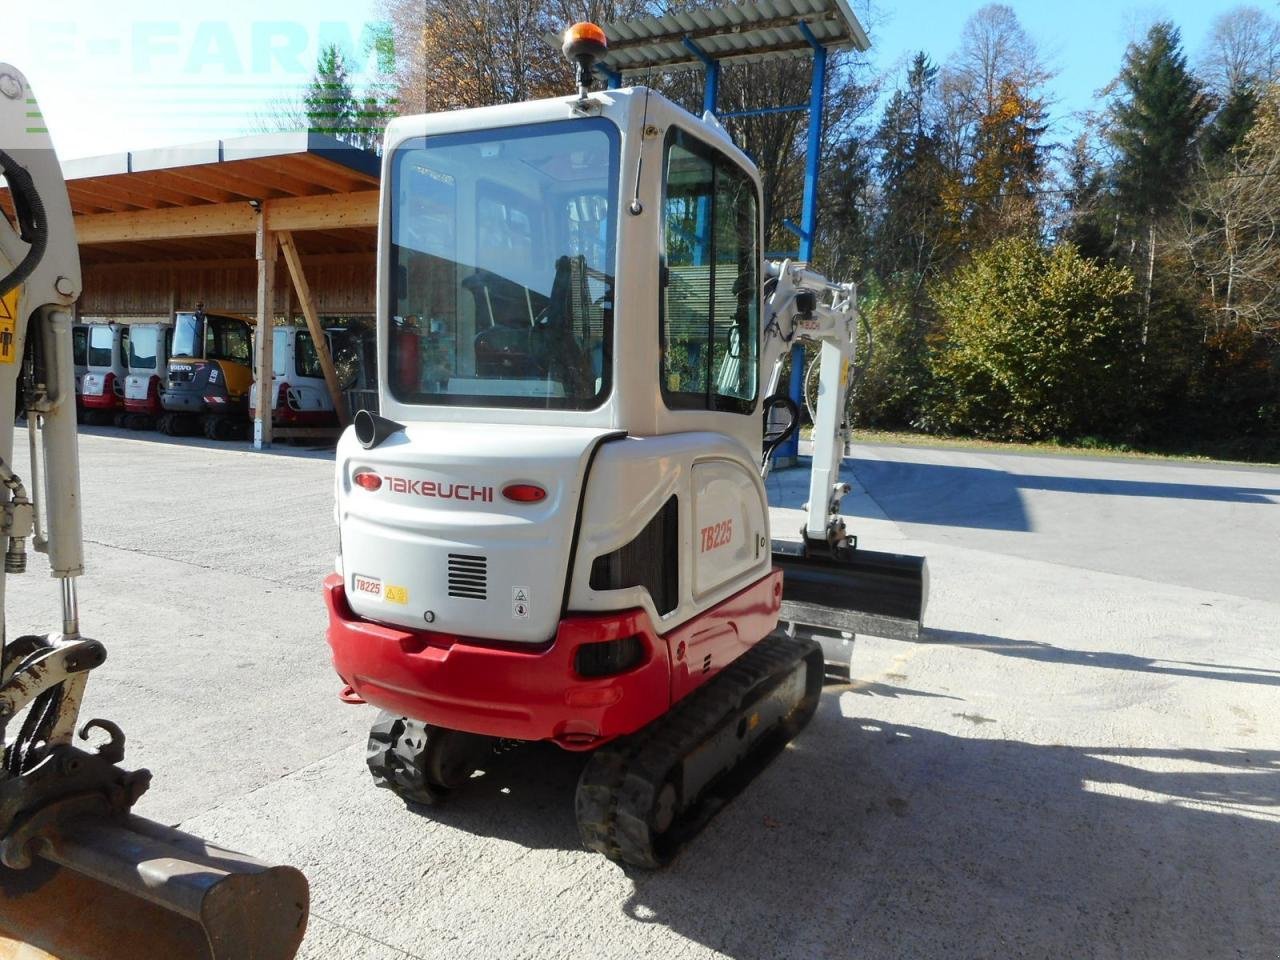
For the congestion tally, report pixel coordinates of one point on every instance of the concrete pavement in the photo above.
(1079, 760)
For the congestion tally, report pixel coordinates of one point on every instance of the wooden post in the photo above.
(313, 324)
(265, 251)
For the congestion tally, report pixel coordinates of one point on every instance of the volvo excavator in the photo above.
(81, 876)
(556, 527)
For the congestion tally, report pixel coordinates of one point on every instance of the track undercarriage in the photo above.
(640, 797)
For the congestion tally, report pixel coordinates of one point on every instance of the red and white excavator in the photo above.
(81, 877)
(557, 527)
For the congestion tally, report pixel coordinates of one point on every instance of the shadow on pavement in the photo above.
(1048, 653)
(982, 498)
(874, 840)
(526, 795)
(305, 449)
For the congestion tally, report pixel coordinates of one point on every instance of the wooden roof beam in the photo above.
(193, 185)
(130, 187)
(334, 177)
(262, 171)
(322, 212)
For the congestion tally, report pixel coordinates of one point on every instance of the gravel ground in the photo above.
(1079, 759)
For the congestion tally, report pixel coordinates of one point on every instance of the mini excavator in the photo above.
(556, 528)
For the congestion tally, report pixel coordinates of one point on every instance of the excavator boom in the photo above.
(82, 877)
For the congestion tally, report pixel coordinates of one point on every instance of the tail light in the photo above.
(284, 399)
(153, 388)
(367, 479)
(610, 657)
(524, 492)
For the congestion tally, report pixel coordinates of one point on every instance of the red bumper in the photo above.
(524, 694)
(101, 401)
(151, 405)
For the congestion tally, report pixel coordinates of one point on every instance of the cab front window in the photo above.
(502, 266)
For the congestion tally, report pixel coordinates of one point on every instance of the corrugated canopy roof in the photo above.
(744, 32)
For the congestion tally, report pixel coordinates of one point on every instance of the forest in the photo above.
(1109, 279)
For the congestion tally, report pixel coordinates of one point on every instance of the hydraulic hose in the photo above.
(33, 228)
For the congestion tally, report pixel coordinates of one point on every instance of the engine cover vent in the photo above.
(468, 576)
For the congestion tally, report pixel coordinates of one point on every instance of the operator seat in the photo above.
(502, 349)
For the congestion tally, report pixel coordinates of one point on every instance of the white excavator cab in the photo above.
(517, 287)
(557, 526)
(106, 367)
(149, 347)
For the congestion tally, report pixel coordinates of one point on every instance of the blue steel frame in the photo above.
(809, 205)
(808, 215)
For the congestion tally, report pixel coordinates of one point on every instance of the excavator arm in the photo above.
(80, 875)
(804, 305)
(832, 589)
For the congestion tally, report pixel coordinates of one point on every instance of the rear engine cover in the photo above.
(430, 542)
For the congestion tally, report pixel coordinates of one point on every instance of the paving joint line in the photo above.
(364, 936)
(263, 786)
(192, 563)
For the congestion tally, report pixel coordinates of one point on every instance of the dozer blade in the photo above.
(141, 891)
(832, 598)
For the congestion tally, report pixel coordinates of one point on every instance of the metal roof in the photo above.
(742, 32)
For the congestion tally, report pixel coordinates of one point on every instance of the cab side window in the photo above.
(710, 303)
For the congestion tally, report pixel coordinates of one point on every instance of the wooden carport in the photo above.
(163, 229)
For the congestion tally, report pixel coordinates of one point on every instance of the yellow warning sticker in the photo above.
(9, 327)
(396, 594)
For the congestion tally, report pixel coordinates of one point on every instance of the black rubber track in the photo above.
(619, 789)
(422, 763)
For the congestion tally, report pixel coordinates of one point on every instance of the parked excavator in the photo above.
(556, 528)
(81, 877)
(150, 345)
(210, 371)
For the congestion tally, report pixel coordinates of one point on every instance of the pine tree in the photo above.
(1155, 124)
(333, 106)
(1084, 200)
(1231, 124)
(910, 170)
(1008, 166)
(330, 99)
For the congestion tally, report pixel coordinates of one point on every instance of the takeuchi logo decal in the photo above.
(440, 491)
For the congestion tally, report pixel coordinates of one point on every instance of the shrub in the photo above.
(1032, 344)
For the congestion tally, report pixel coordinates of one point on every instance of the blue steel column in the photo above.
(710, 95)
(711, 85)
(808, 216)
(809, 208)
(711, 90)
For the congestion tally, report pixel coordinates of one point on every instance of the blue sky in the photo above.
(1083, 40)
(132, 74)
